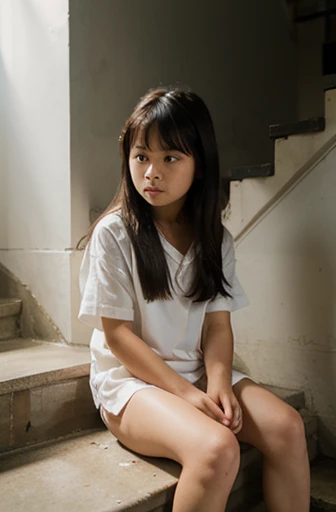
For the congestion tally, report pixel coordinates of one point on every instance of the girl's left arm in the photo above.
(217, 346)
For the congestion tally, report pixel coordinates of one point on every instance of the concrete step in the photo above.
(44, 392)
(323, 489)
(86, 473)
(10, 310)
(312, 125)
(56, 476)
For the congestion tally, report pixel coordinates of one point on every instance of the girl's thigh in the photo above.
(160, 424)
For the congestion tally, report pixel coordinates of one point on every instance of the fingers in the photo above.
(233, 413)
(238, 428)
(237, 421)
(227, 408)
(231, 417)
(214, 411)
(236, 415)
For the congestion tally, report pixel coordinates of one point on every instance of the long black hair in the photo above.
(184, 124)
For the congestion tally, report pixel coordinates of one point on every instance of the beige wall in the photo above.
(287, 263)
(34, 150)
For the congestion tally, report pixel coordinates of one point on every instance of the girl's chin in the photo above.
(153, 198)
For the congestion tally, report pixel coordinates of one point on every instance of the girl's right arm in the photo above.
(142, 362)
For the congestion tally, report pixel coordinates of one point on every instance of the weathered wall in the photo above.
(287, 336)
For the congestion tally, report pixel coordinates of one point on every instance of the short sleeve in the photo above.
(239, 298)
(105, 283)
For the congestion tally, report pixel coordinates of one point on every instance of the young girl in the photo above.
(158, 286)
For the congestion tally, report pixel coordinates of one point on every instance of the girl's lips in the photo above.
(153, 192)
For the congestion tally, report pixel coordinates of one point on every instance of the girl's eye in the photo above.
(171, 158)
(140, 158)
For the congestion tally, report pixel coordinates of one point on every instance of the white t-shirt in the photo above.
(110, 287)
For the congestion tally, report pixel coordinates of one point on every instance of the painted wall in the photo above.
(34, 151)
(287, 336)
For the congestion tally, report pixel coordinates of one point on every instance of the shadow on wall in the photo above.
(34, 322)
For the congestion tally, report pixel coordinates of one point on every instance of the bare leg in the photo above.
(277, 430)
(157, 423)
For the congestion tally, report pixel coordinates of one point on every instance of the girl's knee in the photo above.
(288, 432)
(223, 445)
(217, 452)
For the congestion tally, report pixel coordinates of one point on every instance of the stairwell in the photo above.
(55, 452)
(50, 428)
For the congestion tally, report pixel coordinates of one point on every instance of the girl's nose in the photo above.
(152, 172)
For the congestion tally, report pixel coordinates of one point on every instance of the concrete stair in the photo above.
(56, 454)
(91, 470)
(252, 199)
(44, 392)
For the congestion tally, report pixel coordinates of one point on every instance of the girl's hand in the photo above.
(225, 398)
(204, 403)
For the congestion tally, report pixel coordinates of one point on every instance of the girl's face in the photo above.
(169, 171)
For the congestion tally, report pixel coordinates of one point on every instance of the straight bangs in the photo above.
(173, 125)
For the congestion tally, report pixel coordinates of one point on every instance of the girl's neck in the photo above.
(172, 221)
(173, 215)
